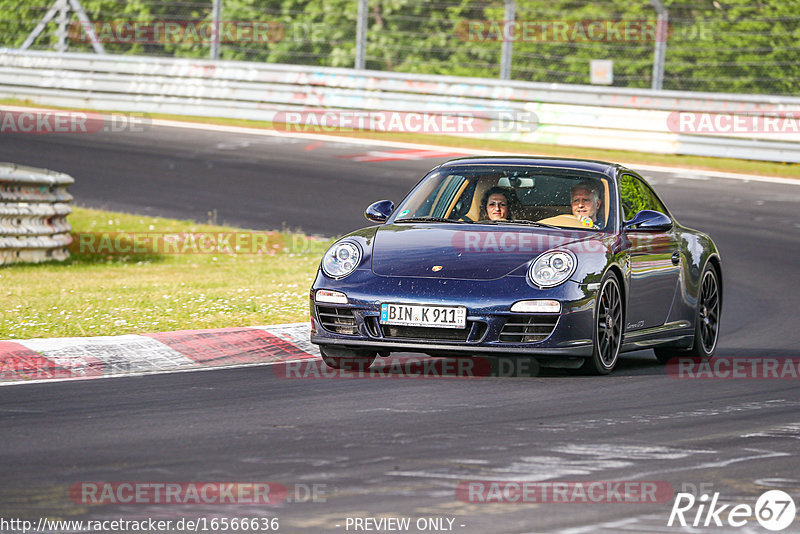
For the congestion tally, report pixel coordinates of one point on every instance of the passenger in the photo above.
(586, 203)
(496, 204)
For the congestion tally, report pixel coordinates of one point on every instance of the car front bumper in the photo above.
(492, 328)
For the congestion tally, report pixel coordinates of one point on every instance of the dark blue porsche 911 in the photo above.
(567, 260)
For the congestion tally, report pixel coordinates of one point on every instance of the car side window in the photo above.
(438, 198)
(636, 196)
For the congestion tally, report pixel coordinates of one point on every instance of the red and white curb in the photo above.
(34, 360)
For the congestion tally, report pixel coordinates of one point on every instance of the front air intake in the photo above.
(337, 320)
(528, 328)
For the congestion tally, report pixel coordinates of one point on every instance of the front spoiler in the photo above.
(582, 348)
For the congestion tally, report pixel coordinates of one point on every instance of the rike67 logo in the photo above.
(774, 510)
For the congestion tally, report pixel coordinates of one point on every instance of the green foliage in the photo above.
(735, 46)
(713, 45)
(634, 198)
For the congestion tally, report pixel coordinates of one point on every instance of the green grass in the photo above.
(763, 168)
(100, 293)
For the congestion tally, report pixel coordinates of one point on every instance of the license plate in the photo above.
(422, 315)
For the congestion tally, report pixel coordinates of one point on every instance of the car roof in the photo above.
(603, 167)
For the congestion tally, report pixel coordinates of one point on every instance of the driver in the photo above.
(496, 204)
(586, 203)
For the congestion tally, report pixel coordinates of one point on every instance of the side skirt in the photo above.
(677, 333)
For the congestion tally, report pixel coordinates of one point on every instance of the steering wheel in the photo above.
(566, 219)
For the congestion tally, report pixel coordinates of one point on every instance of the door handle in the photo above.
(676, 258)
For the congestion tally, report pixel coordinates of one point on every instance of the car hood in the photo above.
(474, 252)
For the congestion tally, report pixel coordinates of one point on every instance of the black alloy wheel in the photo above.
(708, 313)
(608, 328)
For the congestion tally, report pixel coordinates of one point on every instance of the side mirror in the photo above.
(379, 211)
(649, 220)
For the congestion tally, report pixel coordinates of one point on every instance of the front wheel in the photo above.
(706, 323)
(347, 359)
(609, 319)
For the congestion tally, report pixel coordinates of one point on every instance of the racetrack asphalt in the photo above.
(400, 447)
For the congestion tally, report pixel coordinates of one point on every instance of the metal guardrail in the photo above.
(34, 204)
(568, 115)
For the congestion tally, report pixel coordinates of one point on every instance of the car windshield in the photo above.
(511, 194)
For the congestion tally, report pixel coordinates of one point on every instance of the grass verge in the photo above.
(115, 283)
(762, 168)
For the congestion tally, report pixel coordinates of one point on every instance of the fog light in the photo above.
(331, 297)
(537, 306)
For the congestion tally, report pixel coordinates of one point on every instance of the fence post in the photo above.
(216, 14)
(61, 8)
(508, 43)
(61, 32)
(361, 36)
(660, 53)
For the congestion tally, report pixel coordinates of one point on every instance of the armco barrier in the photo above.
(34, 205)
(568, 115)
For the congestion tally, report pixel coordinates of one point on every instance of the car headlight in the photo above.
(341, 259)
(552, 268)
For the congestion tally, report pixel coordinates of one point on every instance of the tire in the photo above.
(608, 327)
(706, 321)
(346, 359)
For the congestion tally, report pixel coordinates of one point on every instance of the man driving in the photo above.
(585, 203)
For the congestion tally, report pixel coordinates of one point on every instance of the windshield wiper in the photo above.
(430, 219)
(523, 222)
